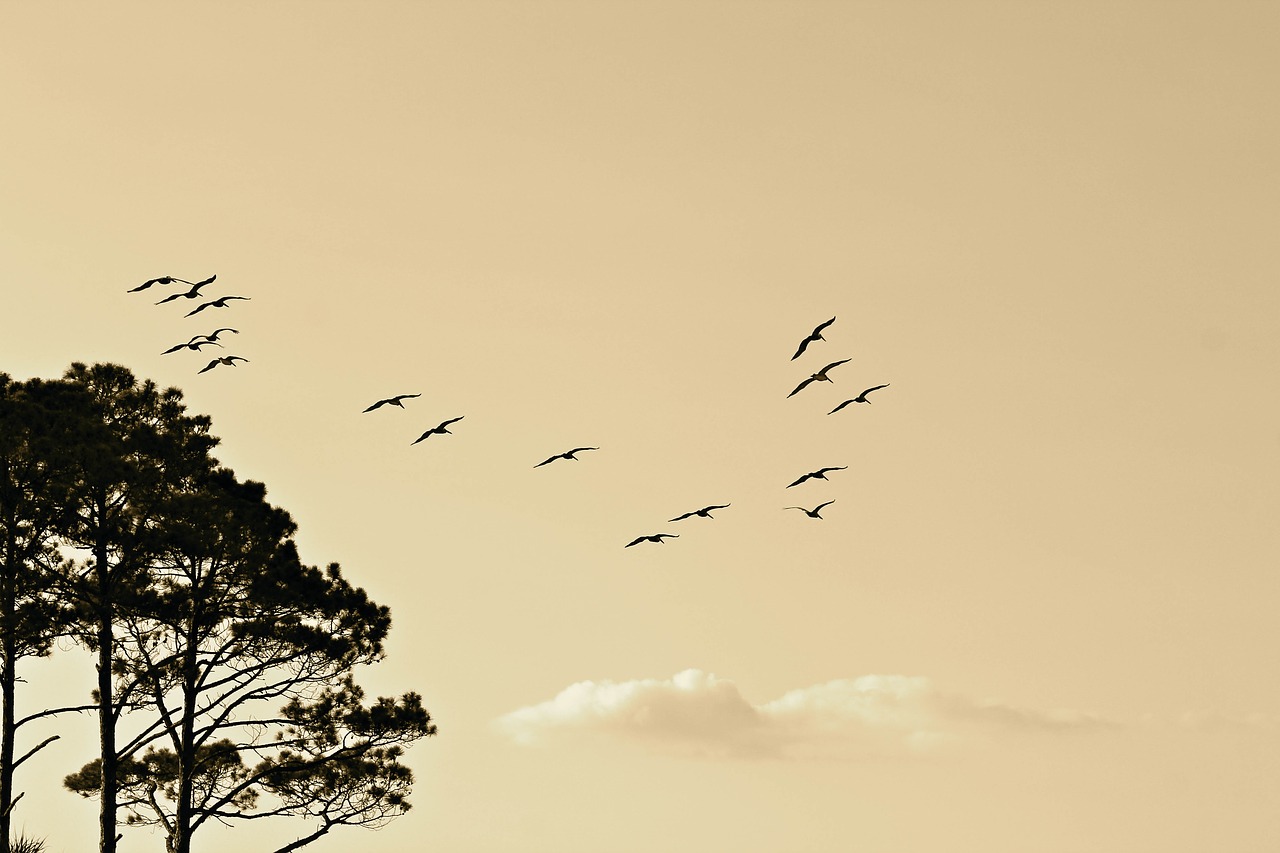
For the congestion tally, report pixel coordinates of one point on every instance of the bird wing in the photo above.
(801, 480)
(376, 405)
(420, 438)
(822, 326)
(800, 387)
(836, 468)
(451, 421)
(834, 364)
(397, 398)
(635, 541)
(144, 285)
(877, 388)
(199, 308)
(170, 298)
(803, 345)
(214, 335)
(839, 407)
(210, 366)
(821, 505)
(578, 450)
(683, 517)
(208, 280)
(553, 459)
(709, 508)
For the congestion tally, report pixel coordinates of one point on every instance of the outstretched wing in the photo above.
(451, 421)
(800, 387)
(839, 407)
(683, 517)
(376, 405)
(801, 480)
(171, 297)
(822, 326)
(834, 364)
(877, 388)
(210, 366)
(553, 459)
(635, 541)
(198, 308)
(821, 505)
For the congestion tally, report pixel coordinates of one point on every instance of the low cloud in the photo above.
(699, 713)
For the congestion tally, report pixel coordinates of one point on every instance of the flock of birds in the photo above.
(198, 342)
(703, 512)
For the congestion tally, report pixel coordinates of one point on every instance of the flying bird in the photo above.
(193, 344)
(213, 336)
(815, 335)
(228, 360)
(190, 294)
(705, 512)
(657, 537)
(812, 513)
(820, 376)
(164, 279)
(394, 401)
(820, 474)
(442, 429)
(220, 302)
(566, 455)
(861, 398)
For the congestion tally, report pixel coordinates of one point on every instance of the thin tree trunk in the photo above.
(106, 708)
(8, 679)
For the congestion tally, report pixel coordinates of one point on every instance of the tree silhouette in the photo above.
(137, 450)
(213, 623)
(36, 419)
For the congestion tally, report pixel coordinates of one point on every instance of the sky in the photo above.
(1040, 613)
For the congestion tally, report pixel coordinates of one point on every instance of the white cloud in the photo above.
(700, 713)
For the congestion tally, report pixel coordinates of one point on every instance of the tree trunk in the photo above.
(8, 679)
(106, 708)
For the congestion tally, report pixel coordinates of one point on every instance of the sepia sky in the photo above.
(1041, 613)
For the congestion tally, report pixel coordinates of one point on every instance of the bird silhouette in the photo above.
(705, 512)
(228, 360)
(812, 513)
(861, 398)
(193, 344)
(394, 401)
(190, 294)
(442, 429)
(220, 302)
(213, 336)
(657, 537)
(820, 376)
(815, 335)
(566, 455)
(164, 279)
(820, 474)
